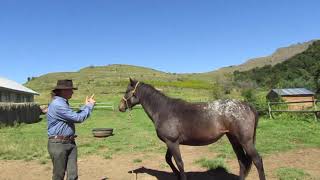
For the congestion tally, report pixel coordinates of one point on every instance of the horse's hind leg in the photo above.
(257, 160)
(244, 161)
(175, 151)
(169, 161)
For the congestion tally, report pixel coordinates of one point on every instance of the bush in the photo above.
(212, 164)
(256, 99)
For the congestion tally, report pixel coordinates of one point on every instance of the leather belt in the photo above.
(65, 138)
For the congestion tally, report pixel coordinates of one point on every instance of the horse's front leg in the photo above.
(175, 151)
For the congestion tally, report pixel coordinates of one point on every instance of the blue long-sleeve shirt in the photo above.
(61, 117)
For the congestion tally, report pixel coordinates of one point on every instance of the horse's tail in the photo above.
(256, 119)
(248, 158)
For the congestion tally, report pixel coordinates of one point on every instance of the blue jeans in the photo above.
(64, 158)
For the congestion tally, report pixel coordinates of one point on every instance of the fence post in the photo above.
(315, 109)
(270, 111)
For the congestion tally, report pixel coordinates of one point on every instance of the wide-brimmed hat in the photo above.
(65, 84)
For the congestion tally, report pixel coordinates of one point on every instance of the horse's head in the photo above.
(129, 99)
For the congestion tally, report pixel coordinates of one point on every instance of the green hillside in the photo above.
(109, 83)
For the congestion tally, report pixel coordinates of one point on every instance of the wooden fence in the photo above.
(11, 113)
(313, 110)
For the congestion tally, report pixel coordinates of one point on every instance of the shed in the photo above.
(17, 103)
(293, 95)
(11, 91)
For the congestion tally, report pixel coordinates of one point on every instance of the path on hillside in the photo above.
(153, 166)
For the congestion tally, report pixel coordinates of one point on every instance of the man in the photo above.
(61, 130)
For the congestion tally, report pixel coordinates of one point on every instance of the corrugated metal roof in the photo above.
(9, 84)
(293, 91)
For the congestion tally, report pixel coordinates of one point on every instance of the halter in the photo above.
(133, 93)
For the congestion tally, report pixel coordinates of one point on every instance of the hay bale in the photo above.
(11, 113)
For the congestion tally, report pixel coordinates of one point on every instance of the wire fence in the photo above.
(101, 105)
(313, 109)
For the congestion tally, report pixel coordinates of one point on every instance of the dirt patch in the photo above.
(150, 166)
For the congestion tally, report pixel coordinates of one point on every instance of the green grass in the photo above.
(285, 173)
(29, 141)
(284, 133)
(288, 132)
(137, 161)
(130, 135)
(24, 141)
(215, 163)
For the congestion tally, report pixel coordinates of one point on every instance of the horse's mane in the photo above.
(157, 95)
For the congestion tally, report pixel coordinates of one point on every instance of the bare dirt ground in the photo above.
(153, 166)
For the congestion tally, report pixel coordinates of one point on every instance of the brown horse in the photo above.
(179, 122)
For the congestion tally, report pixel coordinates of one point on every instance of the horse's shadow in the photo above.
(218, 173)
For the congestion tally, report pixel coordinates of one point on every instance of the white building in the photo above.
(11, 91)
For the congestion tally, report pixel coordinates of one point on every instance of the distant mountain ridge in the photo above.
(280, 55)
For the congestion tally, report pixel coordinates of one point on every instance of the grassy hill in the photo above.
(109, 82)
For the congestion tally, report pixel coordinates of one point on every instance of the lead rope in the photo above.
(130, 116)
(135, 175)
(131, 148)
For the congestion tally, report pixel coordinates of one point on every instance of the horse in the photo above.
(196, 124)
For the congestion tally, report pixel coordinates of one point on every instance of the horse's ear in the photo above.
(132, 82)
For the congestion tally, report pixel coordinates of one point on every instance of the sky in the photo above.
(177, 36)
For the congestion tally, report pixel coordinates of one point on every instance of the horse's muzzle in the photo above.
(122, 109)
(122, 106)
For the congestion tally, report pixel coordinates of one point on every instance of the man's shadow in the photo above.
(218, 173)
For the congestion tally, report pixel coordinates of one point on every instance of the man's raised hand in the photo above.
(90, 100)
